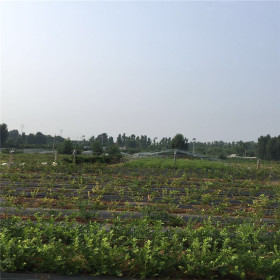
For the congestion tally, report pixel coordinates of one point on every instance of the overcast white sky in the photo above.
(209, 70)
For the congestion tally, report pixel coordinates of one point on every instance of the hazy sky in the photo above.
(209, 70)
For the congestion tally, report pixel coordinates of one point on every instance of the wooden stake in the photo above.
(175, 152)
(74, 156)
(11, 158)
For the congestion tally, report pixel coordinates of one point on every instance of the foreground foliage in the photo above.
(140, 249)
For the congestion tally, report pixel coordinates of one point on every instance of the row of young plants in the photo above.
(197, 168)
(191, 201)
(141, 248)
(170, 191)
(34, 165)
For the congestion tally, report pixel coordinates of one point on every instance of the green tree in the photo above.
(113, 150)
(165, 143)
(31, 139)
(262, 146)
(120, 141)
(131, 141)
(179, 142)
(41, 139)
(66, 147)
(103, 139)
(272, 149)
(4, 133)
(97, 148)
(23, 138)
(14, 135)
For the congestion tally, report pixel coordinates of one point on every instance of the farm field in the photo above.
(142, 218)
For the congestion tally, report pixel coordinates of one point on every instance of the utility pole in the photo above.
(21, 128)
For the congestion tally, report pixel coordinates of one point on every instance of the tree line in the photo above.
(267, 147)
(130, 143)
(14, 139)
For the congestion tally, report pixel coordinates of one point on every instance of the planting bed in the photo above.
(211, 197)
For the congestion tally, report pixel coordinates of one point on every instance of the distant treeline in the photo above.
(266, 148)
(13, 139)
(223, 149)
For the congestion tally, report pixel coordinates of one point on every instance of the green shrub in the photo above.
(66, 147)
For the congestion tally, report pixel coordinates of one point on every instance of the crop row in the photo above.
(141, 249)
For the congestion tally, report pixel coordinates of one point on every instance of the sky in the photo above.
(207, 69)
